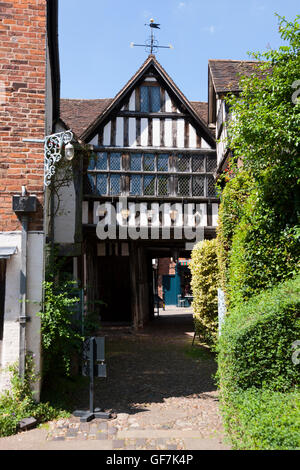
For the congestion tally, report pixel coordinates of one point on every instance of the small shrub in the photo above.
(204, 269)
(19, 403)
(255, 349)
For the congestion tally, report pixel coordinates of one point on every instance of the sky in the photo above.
(96, 59)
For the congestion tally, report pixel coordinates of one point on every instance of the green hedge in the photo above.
(255, 347)
(204, 283)
(262, 420)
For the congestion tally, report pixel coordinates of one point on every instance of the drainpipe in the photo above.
(23, 296)
(23, 205)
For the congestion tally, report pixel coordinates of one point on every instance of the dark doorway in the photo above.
(2, 295)
(114, 288)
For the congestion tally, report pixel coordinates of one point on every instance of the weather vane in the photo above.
(152, 45)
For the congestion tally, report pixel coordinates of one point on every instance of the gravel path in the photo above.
(160, 390)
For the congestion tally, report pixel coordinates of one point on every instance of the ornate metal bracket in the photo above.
(53, 152)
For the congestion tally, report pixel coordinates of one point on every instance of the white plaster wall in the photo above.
(11, 332)
(65, 218)
(10, 343)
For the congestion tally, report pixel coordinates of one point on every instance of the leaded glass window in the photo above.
(198, 164)
(199, 186)
(149, 162)
(211, 186)
(101, 187)
(150, 99)
(184, 185)
(135, 185)
(155, 99)
(163, 162)
(145, 99)
(101, 161)
(184, 163)
(115, 184)
(136, 162)
(211, 165)
(163, 185)
(115, 162)
(149, 185)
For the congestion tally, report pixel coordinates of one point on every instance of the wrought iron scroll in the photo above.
(53, 152)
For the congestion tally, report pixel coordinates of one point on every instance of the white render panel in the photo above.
(150, 79)
(144, 132)
(192, 137)
(168, 133)
(156, 132)
(168, 104)
(204, 144)
(180, 133)
(107, 134)
(65, 217)
(215, 213)
(119, 132)
(11, 331)
(132, 132)
(202, 210)
(132, 102)
(94, 141)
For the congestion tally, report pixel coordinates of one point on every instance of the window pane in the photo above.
(155, 99)
(115, 184)
(198, 164)
(163, 186)
(101, 161)
(184, 185)
(163, 163)
(115, 161)
(136, 162)
(211, 164)
(183, 163)
(198, 185)
(211, 187)
(149, 185)
(101, 185)
(136, 185)
(149, 162)
(92, 162)
(145, 99)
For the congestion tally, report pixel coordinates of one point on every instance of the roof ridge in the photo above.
(232, 60)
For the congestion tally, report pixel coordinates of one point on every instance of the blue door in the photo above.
(171, 286)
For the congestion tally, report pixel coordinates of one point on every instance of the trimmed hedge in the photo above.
(263, 420)
(204, 269)
(255, 349)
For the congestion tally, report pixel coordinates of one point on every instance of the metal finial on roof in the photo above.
(152, 45)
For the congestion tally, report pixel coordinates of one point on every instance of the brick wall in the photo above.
(22, 105)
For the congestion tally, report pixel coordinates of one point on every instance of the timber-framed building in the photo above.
(150, 146)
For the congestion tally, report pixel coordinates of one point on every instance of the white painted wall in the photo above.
(65, 218)
(11, 332)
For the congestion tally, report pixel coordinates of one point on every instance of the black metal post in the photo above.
(86, 416)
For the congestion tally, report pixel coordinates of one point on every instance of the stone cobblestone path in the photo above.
(160, 390)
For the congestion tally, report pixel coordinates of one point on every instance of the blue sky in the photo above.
(95, 35)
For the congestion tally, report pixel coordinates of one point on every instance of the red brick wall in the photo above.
(22, 105)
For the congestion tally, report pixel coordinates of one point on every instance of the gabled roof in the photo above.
(79, 114)
(106, 107)
(225, 74)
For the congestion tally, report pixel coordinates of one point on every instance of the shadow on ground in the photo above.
(148, 367)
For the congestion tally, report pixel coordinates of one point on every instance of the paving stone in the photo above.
(101, 436)
(112, 431)
(118, 444)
